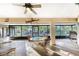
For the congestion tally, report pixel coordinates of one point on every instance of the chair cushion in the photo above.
(4, 51)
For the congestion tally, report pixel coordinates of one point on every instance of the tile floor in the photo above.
(23, 47)
(68, 45)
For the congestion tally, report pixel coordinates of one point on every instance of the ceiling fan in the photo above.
(32, 20)
(30, 6)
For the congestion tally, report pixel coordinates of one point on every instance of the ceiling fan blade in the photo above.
(37, 20)
(36, 6)
(32, 10)
(22, 5)
(77, 4)
(28, 21)
(34, 19)
(25, 11)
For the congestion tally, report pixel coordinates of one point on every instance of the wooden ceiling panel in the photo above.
(41, 20)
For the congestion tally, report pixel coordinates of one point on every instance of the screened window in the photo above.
(63, 30)
(74, 28)
(17, 30)
(12, 31)
(43, 30)
(29, 30)
(35, 31)
(58, 30)
(48, 30)
(7, 32)
(26, 30)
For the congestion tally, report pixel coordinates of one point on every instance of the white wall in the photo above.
(47, 10)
